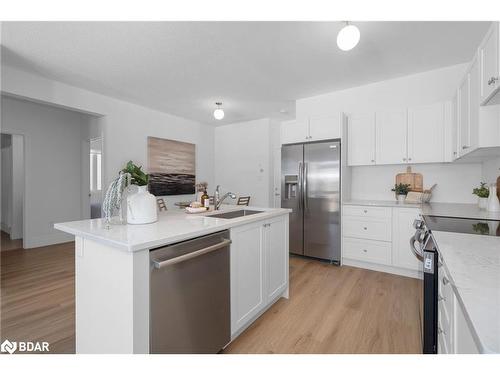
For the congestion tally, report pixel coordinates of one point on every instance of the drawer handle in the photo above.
(445, 280)
(365, 211)
(365, 228)
(365, 251)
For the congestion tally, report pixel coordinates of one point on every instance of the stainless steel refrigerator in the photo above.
(310, 186)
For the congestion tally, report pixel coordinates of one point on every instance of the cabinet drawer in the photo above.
(358, 227)
(368, 251)
(368, 211)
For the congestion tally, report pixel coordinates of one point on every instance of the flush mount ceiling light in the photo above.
(219, 112)
(348, 37)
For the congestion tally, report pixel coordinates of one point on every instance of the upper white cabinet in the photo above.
(426, 134)
(327, 127)
(413, 135)
(361, 139)
(312, 129)
(474, 105)
(464, 115)
(391, 137)
(295, 131)
(489, 60)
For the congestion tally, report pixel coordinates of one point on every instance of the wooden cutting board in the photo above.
(415, 180)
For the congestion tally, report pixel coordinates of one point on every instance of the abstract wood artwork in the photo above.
(171, 167)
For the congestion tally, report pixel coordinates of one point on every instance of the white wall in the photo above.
(491, 171)
(53, 168)
(455, 181)
(243, 160)
(126, 126)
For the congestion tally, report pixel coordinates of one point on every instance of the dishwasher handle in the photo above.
(192, 255)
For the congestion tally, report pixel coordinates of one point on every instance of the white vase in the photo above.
(141, 207)
(482, 203)
(493, 203)
(401, 198)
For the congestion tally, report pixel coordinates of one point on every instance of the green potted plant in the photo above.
(482, 193)
(401, 191)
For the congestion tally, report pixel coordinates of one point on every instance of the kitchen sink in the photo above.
(235, 214)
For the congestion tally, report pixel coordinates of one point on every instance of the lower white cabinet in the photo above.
(259, 269)
(454, 333)
(378, 238)
(402, 228)
(276, 251)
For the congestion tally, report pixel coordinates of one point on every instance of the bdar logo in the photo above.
(8, 346)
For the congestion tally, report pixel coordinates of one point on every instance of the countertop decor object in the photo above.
(141, 205)
(493, 202)
(415, 180)
(401, 191)
(482, 193)
(113, 198)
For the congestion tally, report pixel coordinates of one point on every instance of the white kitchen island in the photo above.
(112, 272)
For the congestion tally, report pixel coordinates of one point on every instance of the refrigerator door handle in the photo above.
(300, 185)
(304, 177)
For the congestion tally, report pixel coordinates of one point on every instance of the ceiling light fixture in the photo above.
(219, 112)
(348, 37)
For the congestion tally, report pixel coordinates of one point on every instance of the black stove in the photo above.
(463, 225)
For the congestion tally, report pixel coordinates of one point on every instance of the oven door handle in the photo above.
(415, 251)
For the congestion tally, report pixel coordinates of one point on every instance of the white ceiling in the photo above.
(255, 68)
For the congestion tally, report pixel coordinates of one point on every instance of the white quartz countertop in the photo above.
(473, 262)
(464, 210)
(172, 226)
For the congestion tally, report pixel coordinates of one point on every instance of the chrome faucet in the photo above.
(218, 200)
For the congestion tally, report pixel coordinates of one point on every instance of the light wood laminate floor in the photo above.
(338, 310)
(331, 309)
(38, 296)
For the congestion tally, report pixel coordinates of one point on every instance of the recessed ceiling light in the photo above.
(348, 37)
(219, 112)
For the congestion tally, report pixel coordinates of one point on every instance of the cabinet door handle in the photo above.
(365, 228)
(373, 160)
(365, 251)
(465, 147)
(409, 159)
(441, 298)
(440, 331)
(404, 159)
(445, 280)
(492, 80)
(365, 211)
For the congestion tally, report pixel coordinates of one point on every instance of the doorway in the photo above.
(95, 177)
(12, 191)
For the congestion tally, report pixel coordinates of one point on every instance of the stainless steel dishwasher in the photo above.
(189, 296)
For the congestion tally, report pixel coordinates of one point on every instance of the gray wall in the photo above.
(53, 162)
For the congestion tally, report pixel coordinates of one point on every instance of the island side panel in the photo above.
(104, 280)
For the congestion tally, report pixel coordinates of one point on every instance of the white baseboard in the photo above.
(47, 239)
(383, 268)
